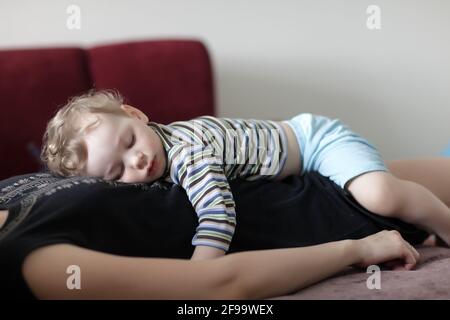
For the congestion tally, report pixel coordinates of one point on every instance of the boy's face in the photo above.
(124, 148)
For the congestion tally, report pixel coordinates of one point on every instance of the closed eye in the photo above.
(122, 169)
(133, 140)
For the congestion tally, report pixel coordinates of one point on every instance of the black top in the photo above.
(157, 220)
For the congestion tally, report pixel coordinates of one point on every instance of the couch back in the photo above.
(168, 79)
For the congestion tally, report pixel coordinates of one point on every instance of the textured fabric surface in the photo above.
(430, 280)
(169, 79)
(32, 84)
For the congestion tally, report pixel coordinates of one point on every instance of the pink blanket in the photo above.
(430, 280)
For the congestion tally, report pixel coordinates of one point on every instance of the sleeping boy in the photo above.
(97, 135)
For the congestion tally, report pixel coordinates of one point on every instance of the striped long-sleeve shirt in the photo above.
(203, 153)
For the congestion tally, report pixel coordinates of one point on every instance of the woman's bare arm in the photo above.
(106, 276)
(432, 173)
(253, 275)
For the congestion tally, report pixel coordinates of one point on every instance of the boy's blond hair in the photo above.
(63, 148)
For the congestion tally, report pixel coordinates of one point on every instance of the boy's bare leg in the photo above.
(432, 173)
(383, 193)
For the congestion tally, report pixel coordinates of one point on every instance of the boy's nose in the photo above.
(140, 160)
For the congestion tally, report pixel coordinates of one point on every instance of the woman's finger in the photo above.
(409, 256)
(413, 250)
(416, 253)
(395, 264)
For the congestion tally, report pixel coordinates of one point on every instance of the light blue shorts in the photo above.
(333, 149)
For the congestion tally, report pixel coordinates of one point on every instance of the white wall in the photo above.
(274, 59)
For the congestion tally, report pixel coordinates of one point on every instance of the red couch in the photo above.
(168, 79)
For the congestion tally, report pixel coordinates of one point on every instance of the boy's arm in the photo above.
(202, 177)
(204, 252)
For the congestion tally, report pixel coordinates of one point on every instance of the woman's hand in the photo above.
(389, 248)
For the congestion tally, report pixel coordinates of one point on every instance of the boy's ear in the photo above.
(134, 112)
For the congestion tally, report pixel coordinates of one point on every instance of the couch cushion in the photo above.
(168, 79)
(33, 83)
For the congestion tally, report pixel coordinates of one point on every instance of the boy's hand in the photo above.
(204, 252)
